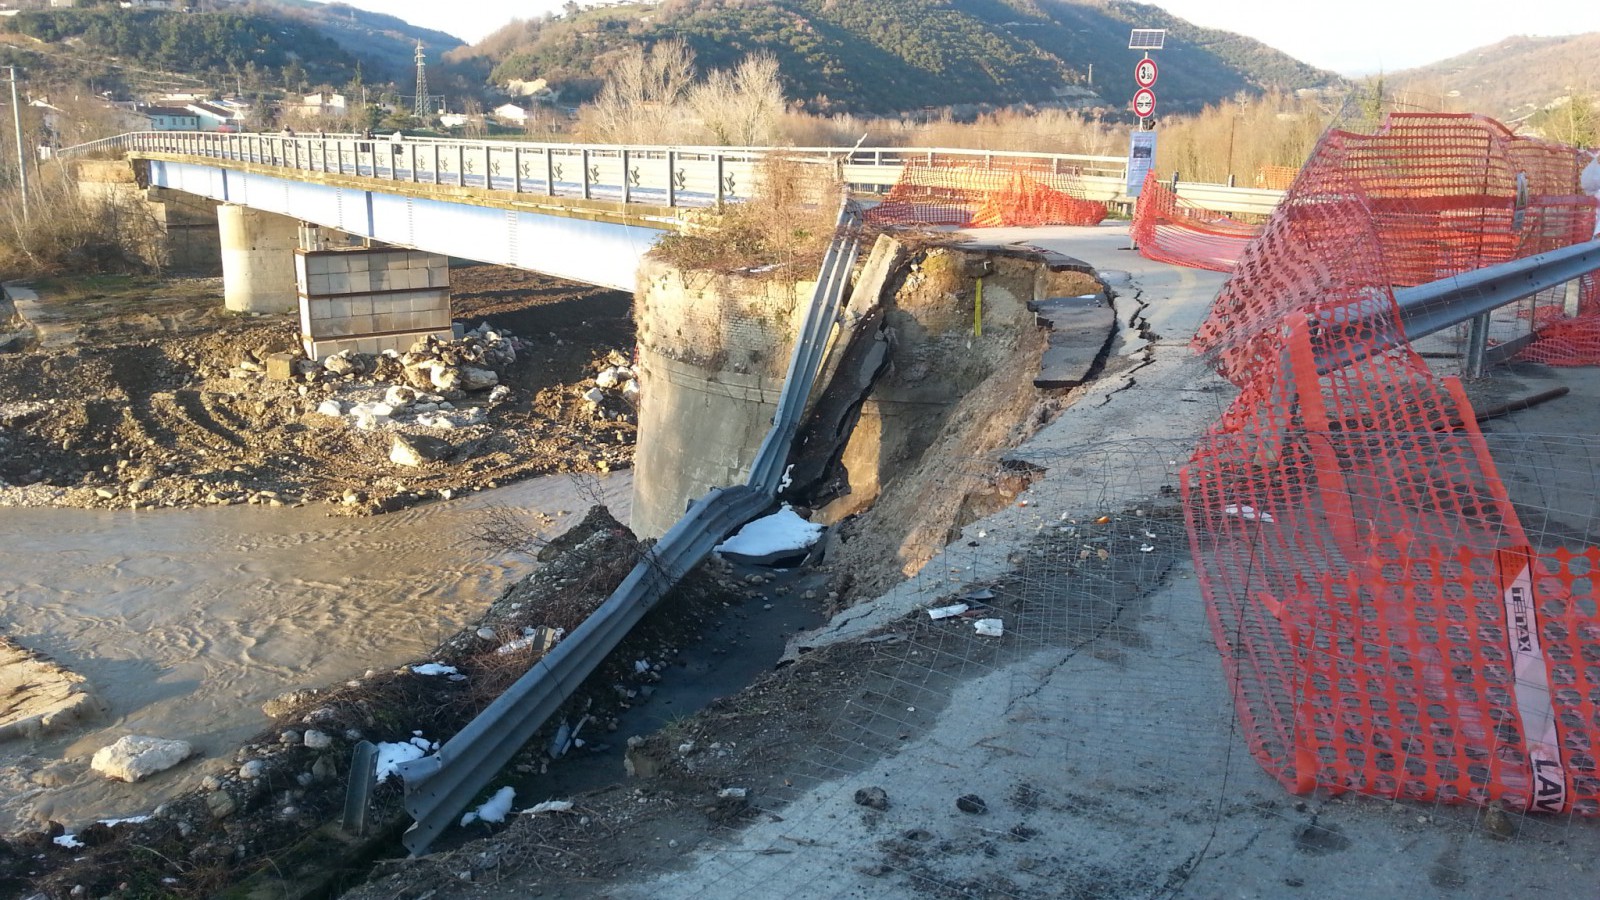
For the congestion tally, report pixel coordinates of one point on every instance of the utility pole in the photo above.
(22, 159)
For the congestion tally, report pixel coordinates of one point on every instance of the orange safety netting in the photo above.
(1433, 195)
(1386, 622)
(1167, 229)
(985, 196)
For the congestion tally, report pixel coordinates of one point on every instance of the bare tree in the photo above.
(643, 95)
(743, 107)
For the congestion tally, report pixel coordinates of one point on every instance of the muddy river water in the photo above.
(185, 621)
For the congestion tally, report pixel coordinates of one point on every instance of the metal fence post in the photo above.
(627, 193)
(549, 171)
(672, 178)
(461, 165)
(720, 192)
(586, 185)
(516, 169)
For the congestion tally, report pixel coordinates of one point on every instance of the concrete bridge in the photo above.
(582, 212)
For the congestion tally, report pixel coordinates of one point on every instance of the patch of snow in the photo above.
(495, 809)
(547, 806)
(130, 820)
(390, 756)
(780, 532)
(434, 668)
(69, 841)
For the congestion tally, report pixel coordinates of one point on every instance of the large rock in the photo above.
(135, 757)
(446, 378)
(476, 379)
(417, 449)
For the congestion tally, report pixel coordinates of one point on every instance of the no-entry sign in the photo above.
(1144, 103)
(1145, 73)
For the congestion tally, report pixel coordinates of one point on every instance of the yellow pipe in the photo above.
(977, 310)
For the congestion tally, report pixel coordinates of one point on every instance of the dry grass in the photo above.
(67, 232)
(788, 223)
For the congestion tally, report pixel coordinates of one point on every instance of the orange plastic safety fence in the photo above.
(985, 196)
(1382, 615)
(1432, 195)
(1166, 229)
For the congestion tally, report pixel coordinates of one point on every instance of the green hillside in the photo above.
(279, 44)
(896, 55)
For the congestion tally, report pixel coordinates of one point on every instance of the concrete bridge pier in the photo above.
(258, 273)
(713, 351)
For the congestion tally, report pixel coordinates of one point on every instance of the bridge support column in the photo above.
(257, 259)
(712, 356)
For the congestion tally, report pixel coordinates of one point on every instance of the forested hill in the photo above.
(895, 55)
(1511, 79)
(286, 44)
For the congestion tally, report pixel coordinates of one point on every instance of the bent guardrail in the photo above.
(438, 787)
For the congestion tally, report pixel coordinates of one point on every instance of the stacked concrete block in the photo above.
(370, 301)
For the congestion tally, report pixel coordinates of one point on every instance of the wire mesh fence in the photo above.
(1095, 747)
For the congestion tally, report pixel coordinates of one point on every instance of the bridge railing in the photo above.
(670, 176)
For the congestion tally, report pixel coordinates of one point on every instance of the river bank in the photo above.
(148, 394)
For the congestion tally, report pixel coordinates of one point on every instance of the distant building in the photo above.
(170, 118)
(511, 114)
(322, 103)
(149, 4)
(215, 117)
(454, 120)
(63, 4)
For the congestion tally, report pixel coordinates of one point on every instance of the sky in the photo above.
(1352, 37)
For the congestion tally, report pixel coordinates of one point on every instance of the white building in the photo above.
(322, 103)
(511, 114)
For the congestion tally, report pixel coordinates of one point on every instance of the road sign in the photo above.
(1145, 73)
(1141, 157)
(1144, 103)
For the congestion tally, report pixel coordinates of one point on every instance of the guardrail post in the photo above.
(1477, 346)
(627, 193)
(412, 159)
(720, 192)
(549, 171)
(488, 167)
(516, 167)
(435, 163)
(587, 188)
(1174, 180)
(461, 165)
(672, 178)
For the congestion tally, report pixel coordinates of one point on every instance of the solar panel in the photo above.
(1147, 39)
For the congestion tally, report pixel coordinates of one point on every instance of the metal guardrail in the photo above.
(669, 176)
(1466, 297)
(438, 787)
